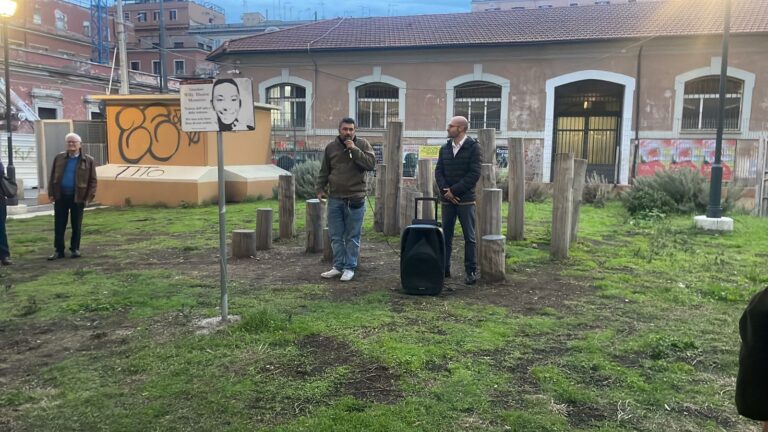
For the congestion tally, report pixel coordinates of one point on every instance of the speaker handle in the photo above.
(416, 205)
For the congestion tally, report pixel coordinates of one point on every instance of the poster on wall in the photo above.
(693, 154)
(221, 105)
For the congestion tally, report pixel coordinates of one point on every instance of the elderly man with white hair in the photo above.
(71, 185)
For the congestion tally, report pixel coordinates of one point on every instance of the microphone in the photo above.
(349, 150)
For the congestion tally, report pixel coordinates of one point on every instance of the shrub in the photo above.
(675, 191)
(305, 176)
(537, 192)
(597, 190)
(502, 183)
(643, 202)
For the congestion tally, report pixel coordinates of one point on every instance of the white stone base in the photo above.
(723, 224)
(209, 325)
(17, 209)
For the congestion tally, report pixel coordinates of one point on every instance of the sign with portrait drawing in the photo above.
(220, 105)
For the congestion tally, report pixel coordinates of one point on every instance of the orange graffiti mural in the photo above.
(152, 134)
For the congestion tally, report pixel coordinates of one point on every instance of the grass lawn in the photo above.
(636, 331)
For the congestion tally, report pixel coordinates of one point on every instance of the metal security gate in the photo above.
(94, 135)
(587, 124)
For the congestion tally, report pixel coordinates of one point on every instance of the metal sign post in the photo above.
(221, 105)
(222, 228)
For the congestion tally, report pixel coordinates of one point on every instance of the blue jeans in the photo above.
(466, 215)
(345, 225)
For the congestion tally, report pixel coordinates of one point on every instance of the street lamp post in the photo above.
(7, 9)
(714, 209)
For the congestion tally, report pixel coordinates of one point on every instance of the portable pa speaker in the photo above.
(422, 255)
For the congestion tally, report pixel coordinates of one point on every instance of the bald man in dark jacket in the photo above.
(457, 173)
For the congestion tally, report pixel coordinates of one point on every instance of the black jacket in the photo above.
(460, 173)
(752, 381)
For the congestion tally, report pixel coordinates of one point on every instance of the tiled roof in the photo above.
(509, 27)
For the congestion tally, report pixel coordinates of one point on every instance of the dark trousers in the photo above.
(63, 209)
(466, 215)
(4, 250)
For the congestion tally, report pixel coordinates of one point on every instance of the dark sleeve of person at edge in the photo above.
(752, 381)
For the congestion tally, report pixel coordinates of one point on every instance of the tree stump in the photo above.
(393, 154)
(426, 178)
(562, 206)
(314, 226)
(263, 229)
(487, 139)
(516, 181)
(381, 198)
(489, 218)
(493, 261)
(579, 179)
(243, 243)
(286, 194)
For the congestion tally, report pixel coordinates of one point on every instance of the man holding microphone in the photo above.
(342, 178)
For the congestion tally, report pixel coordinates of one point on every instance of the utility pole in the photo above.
(161, 47)
(124, 90)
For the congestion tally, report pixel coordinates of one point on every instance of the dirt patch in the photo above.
(369, 382)
(25, 350)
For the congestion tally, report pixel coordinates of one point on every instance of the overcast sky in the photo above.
(305, 9)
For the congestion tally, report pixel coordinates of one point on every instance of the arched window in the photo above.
(377, 104)
(480, 103)
(701, 101)
(292, 100)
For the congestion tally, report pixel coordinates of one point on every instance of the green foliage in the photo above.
(647, 203)
(502, 182)
(537, 192)
(597, 190)
(305, 176)
(675, 191)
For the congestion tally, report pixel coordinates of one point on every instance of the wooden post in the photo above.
(381, 198)
(286, 195)
(393, 157)
(314, 226)
(407, 208)
(516, 181)
(493, 263)
(562, 206)
(327, 247)
(243, 243)
(426, 178)
(489, 220)
(487, 138)
(487, 181)
(579, 178)
(263, 229)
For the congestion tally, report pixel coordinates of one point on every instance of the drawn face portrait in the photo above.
(226, 102)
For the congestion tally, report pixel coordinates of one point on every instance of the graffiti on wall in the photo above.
(693, 154)
(142, 171)
(152, 130)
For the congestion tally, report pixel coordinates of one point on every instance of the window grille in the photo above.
(377, 105)
(292, 100)
(480, 103)
(701, 101)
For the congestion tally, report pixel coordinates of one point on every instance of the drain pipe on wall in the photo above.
(637, 114)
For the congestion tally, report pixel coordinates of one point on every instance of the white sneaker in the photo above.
(332, 273)
(348, 275)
